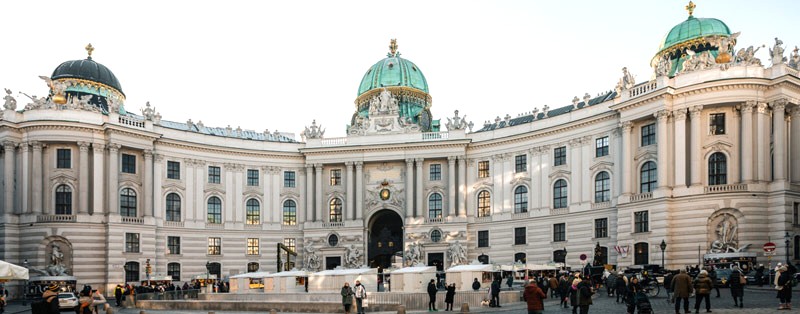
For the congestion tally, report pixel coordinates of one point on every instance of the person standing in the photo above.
(633, 289)
(585, 292)
(563, 288)
(50, 297)
(495, 293)
(622, 287)
(361, 294)
(783, 283)
(534, 297)
(118, 295)
(98, 301)
(703, 285)
(510, 281)
(432, 296)
(476, 285)
(611, 283)
(3, 296)
(573, 295)
(553, 286)
(449, 297)
(712, 275)
(681, 290)
(737, 286)
(347, 297)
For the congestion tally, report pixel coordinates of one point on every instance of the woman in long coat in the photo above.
(737, 289)
(449, 296)
(347, 297)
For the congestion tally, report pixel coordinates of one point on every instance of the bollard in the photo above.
(109, 310)
(465, 307)
(142, 312)
(210, 312)
(273, 311)
(401, 309)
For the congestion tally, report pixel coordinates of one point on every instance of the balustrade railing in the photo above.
(559, 211)
(214, 226)
(333, 224)
(133, 220)
(434, 136)
(178, 224)
(333, 141)
(434, 220)
(601, 205)
(131, 121)
(642, 89)
(722, 188)
(641, 197)
(55, 218)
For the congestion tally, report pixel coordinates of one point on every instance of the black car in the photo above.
(723, 277)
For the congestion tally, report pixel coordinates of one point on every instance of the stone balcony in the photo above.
(132, 220)
(725, 188)
(56, 218)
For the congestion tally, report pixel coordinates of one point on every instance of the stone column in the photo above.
(321, 215)
(187, 203)
(695, 151)
(409, 188)
(98, 184)
(25, 177)
(83, 178)
(274, 175)
(680, 147)
(201, 179)
(795, 146)
(158, 177)
(462, 186)
(574, 165)
(300, 183)
(310, 208)
(359, 189)
(420, 191)
(113, 178)
(627, 158)
(533, 173)
(451, 187)
(763, 139)
(748, 150)
(496, 171)
(779, 138)
(616, 175)
(507, 200)
(545, 186)
(662, 147)
(37, 165)
(148, 183)
(8, 175)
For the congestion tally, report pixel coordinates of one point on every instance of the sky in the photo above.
(278, 65)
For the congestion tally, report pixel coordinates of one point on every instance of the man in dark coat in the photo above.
(476, 285)
(737, 288)
(432, 294)
(496, 292)
(118, 295)
(681, 289)
(533, 296)
(622, 287)
(449, 297)
(584, 297)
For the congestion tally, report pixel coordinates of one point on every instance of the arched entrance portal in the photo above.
(385, 238)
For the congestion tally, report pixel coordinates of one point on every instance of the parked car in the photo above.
(68, 300)
(751, 278)
(723, 276)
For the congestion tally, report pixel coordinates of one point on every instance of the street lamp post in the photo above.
(25, 291)
(788, 239)
(663, 247)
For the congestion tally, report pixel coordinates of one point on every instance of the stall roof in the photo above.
(356, 271)
(414, 269)
(540, 267)
(294, 273)
(258, 274)
(464, 268)
(204, 276)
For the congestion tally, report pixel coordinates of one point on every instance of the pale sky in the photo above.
(280, 64)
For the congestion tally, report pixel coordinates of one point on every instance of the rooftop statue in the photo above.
(457, 123)
(10, 102)
(748, 56)
(313, 132)
(776, 52)
(724, 46)
(664, 66)
(794, 59)
(148, 112)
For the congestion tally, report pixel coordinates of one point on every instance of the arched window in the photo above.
(252, 267)
(521, 199)
(63, 200)
(640, 254)
(649, 177)
(435, 206)
(560, 256)
(602, 258)
(289, 213)
(127, 202)
(173, 207)
(560, 194)
(253, 212)
(214, 210)
(336, 210)
(132, 272)
(717, 169)
(215, 269)
(174, 271)
(520, 258)
(602, 187)
(484, 204)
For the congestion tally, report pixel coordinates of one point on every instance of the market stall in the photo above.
(333, 280)
(464, 275)
(286, 282)
(412, 279)
(247, 282)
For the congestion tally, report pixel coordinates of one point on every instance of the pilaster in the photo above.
(794, 114)
(83, 178)
(662, 147)
(462, 186)
(359, 189)
(98, 182)
(420, 193)
(763, 142)
(36, 196)
(451, 187)
(779, 138)
(8, 175)
(695, 145)
(148, 182)
(680, 148)
(409, 188)
(748, 150)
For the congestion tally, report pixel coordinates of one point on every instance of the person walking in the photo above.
(783, 283)
(361, 294)
(347, 297)
(630, 299)
(703, 285)
(611, 283)
(98, 301)
(449, 296)
(573, 295)
(553, 286)
(476, 285)
(534, 296)
(712, 275)
(432, 295)
(681, 290)
(118, 295)
(495, 293)
(585, 292)
(737, 282)
(668, 285)
(622, 287)
(563, 291)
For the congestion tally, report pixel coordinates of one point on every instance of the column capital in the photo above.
(626, 126)
(309, 166)
(318, 167)
(694, 111)
(762, 108)
(148, 154)
(114, 147)
(748, 106)
(662, 115)
(679, 114)
(780, 104)
(98, 148)
(36, 145)
(158, 157)
(348, 164)
(9, 145)
(794, 111)
(359, 165)
(419, 161)
(451, 160)
(409, 161)
(83, 146)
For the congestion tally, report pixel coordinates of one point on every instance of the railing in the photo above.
(252, 226)
(131, 122)
(178, 224)
(521, 215)
(169, 295)
(483, 219)
(642, 89)
(214, 226)
(133, 220)
(333, 224)
(55, 218)
(334, 141)
(726, 188)
(434, 220)
(601, 205)
(559, 211)
(641, 197)
(288, 227)
(434, 136)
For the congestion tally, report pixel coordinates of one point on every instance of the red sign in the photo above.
(769, 247)
(583, 257)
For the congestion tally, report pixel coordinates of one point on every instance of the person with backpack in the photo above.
(737, 283)
(50, 298)
(703, 286)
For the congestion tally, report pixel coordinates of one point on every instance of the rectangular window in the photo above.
(519, 236)
(128, 163)
(214, 246)
(173, 170)
(436, 172)
(63, 158)
(560, 156)
(601, 228)
(252, 246)
(288, 179)
(214, 175)
(252, 177)
(560, 232)
(641, 221)
(601, 147)
(483, 238)
(717, 124)
(336, 177)
(173, 245)
(290, 243)
(649, 134)
(520, 163)
(483, 169)
(131, 243)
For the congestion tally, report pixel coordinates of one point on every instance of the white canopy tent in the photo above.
(241, 283)
(463, 275)
(10, 271)
(412, 279)
(286, 282)
(333, 280)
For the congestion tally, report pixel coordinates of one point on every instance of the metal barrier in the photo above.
(169, 295)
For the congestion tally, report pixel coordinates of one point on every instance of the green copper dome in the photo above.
(694, 28)
(393, 71)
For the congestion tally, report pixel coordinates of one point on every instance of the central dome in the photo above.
(692, 29)
(393, 71)
(89, 70)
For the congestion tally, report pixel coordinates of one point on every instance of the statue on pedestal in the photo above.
(776, 52)
(457, 254)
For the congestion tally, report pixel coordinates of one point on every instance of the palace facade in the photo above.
(705, 156)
